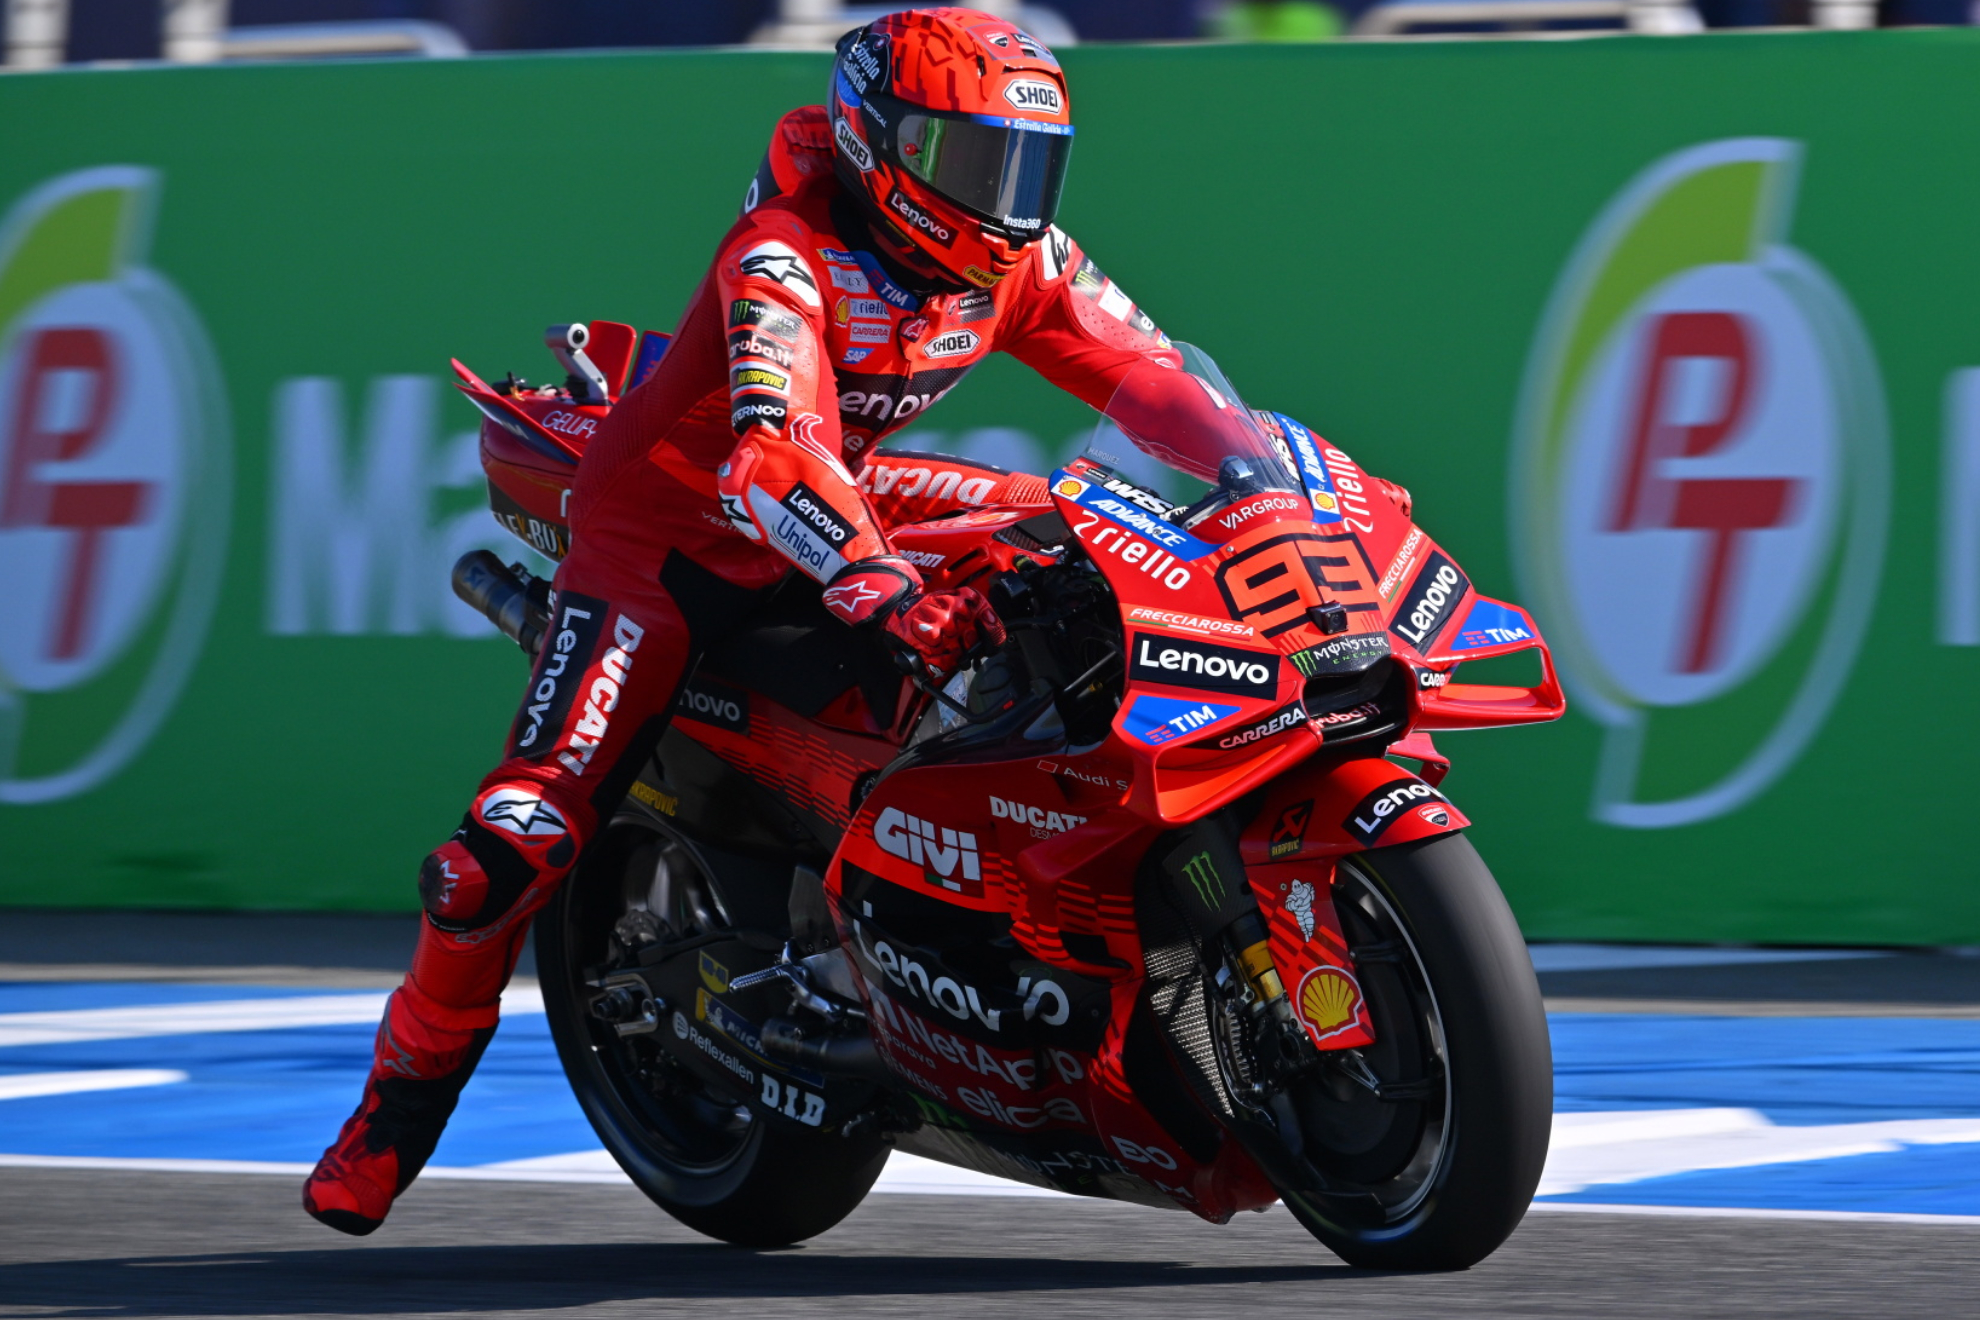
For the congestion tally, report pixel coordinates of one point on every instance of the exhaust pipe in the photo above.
(509, 597)
(854, 1055)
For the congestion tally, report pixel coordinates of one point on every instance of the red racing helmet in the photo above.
(954, 128)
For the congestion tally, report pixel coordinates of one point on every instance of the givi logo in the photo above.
(1701, 484)
(113, 485)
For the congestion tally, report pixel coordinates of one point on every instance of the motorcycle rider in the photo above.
(890, 240)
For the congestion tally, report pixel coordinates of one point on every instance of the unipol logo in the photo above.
(1702, 484)
(112, 486)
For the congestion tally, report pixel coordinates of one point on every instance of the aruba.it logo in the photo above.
(1701, 484)
(114, 484)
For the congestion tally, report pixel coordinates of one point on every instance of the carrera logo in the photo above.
(1428, 605)
(900, 205)
(1429, 680)
(1201, 665)
(1373, 816)
(1034, 94)
(853, 145)
(716, 704)
(1042, 822)
(956, 343)
(1291, 717)
(949, 856)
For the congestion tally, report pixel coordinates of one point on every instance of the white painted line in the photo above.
(27, 1086)
(82, 1025)
(1620, 957)
(1715, 1212)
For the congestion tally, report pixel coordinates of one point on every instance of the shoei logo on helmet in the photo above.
(953, 344)
(854, 148)
(899, 204)
(1032, 94)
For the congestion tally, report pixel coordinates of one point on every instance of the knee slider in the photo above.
(510, 840)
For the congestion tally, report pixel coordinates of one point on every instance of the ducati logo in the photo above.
(114, 477)
(1701, 485)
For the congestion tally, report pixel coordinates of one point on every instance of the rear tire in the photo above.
(709, 1162)
(1461, 998)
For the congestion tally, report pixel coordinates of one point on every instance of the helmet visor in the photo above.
(1007, 171)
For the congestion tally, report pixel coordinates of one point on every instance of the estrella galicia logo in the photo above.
(1701, 485)
(115, 484)
(1180, 663)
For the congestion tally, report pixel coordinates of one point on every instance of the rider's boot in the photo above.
(425, 1053)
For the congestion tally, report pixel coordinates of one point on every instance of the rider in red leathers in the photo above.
(891, 239)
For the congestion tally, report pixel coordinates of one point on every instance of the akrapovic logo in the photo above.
(900, 205)
(1429, 603)
(950, 855)
(1201, 665)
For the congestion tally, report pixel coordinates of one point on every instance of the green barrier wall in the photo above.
(234, 675)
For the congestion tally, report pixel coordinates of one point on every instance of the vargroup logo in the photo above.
(1701, 484)
(114, 485)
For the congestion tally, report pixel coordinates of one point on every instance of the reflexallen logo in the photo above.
(115, 484)
(1701, 485)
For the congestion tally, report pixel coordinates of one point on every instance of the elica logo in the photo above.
(1201, 665)
(1033, 94)
(1701, 484)
(949, 855)
(114, 485)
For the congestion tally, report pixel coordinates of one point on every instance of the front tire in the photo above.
(1462, 1032)
(705, 1159)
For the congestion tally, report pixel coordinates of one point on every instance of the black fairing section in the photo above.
(791, 650)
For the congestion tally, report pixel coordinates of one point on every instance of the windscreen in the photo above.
(1009, 169)
(1192, 423)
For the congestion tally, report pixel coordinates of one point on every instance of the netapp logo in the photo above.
(898, 203)
(1200, 665)
(1430, 602)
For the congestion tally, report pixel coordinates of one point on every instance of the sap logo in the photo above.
(1371, 818)
(775, 261)
(948, 854)
(1290, 717)
(571, 424)
(956, 343)
(899, 203)
(787, 1100)
(1428, 604)
(1043, 823)
(1158, 720)
(852, 145)
(883, 478)
(1031, 94)
(1258, 507)
(602, 697)
(1201, 665)
(726, 708)
(1148, 500)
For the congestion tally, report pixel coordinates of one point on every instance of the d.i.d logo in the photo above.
(1701, 484)
(113, 484)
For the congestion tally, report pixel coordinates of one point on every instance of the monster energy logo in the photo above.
(1304, 662)
(1202, 875)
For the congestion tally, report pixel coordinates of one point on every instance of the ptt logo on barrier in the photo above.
(114, 484)
(1702, 485)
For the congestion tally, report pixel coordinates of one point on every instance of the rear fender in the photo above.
(1310, 819)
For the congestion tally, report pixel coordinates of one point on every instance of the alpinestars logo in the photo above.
(520, 811)
(949, 855)
(775, 261)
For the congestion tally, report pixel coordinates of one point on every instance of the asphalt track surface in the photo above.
(119, 1242)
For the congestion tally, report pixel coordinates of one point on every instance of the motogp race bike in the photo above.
(1143, 904)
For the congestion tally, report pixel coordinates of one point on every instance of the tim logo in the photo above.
(113, 484)
(1704, 481)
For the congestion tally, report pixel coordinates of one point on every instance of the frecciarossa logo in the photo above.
(1185, 663)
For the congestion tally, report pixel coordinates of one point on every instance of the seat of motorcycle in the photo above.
(792, 651)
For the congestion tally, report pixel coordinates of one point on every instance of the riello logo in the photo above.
(114, 477)
(1701, 485)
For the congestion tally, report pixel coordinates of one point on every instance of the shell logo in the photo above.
(1070, 487)
(1329, 1002)
(1700, 485)
(114, 485)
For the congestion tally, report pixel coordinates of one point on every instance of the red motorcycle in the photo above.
(1140, 905)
